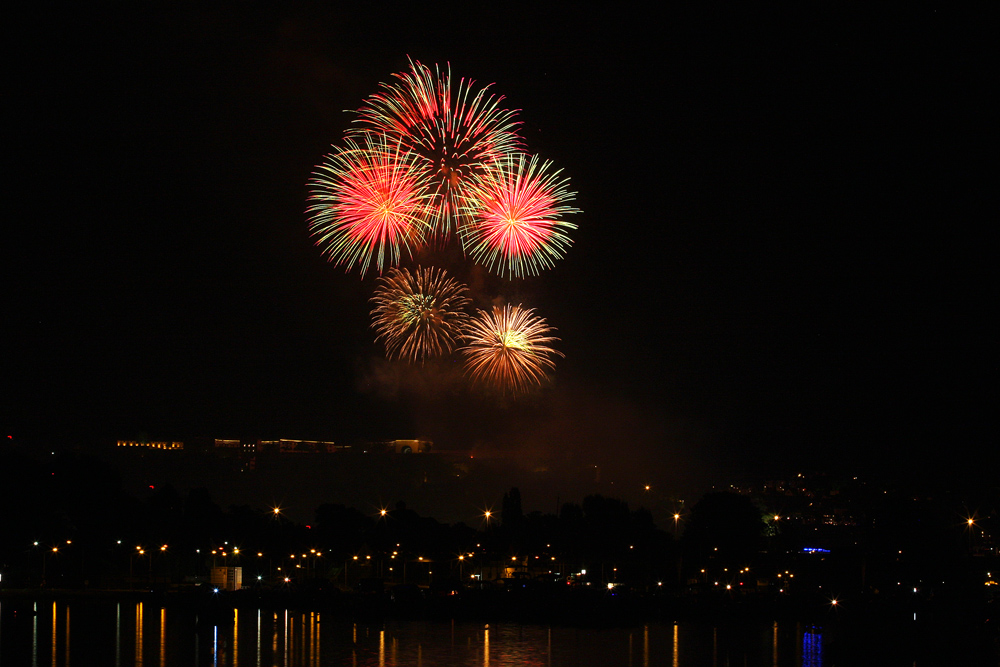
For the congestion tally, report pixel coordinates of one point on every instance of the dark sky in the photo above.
(781, 264)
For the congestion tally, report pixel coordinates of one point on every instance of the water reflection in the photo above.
(66, 649)
(163, 637)
(54, 624)
(774, 644)
(676, 660)
(812, 647)
(307, 639)
(138, 634)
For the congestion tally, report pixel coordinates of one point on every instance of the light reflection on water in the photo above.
(146, 633)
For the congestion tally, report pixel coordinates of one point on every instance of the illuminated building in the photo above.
(151, 445)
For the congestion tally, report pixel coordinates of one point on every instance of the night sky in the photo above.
(781, 264)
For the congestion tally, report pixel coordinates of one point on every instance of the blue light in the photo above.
(814, 550)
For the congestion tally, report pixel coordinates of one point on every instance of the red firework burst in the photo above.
(369, 202)
(456, 132)
(515, 209)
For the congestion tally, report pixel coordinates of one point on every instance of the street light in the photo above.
(45, 554)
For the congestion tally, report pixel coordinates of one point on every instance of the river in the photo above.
(125, 633)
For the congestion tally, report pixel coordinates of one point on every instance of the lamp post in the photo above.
(45, 555)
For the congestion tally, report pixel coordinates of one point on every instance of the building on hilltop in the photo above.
(152, 445)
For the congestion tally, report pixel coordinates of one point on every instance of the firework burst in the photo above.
(419, 314)
(515, 211)
(369, 202)
(508, 348)
(457, 131)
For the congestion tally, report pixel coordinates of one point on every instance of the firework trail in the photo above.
(369, 202)
(508, 348)
(419, 314)
(515, 210)
(458, 132)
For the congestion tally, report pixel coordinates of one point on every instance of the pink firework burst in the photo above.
(515, 211)
(369, 203)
